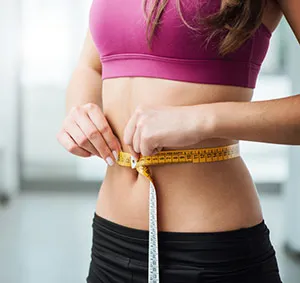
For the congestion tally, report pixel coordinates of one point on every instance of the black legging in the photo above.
(120, 254)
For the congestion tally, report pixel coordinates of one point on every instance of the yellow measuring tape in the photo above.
(201, 155)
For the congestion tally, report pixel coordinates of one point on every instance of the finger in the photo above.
(145, 151)
(136, 140)
(70, 145)
(147, 147)
(156, 150)
(130, 129)
(109, 141)
(133, 153)
(79, 137)
(91, 132)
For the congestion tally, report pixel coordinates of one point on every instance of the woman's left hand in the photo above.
(153, 127)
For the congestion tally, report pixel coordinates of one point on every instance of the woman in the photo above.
(155, 76)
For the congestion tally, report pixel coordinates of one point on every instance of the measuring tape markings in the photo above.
(202, 155)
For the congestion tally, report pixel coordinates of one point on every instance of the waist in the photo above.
(189, 170)
(197, 160)
(173, 176)
(186, 193)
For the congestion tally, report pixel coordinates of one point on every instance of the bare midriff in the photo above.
(203, 197)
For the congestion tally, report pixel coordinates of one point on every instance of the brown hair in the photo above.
(240, 18)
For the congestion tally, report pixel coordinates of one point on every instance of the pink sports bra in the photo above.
(118, 29)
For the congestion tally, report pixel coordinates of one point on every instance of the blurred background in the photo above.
(48, 196)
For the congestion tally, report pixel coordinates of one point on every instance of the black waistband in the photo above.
(197, 248)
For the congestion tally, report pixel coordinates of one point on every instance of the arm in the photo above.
(274, 121)
(85, 130)
(85, 85)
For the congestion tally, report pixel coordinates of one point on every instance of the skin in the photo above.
(144, 115)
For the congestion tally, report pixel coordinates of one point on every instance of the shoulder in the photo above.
(291, 10)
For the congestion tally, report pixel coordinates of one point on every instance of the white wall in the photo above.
(9, 88)
(53, 35)
(292, 188)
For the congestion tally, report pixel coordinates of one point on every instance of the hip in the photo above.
(120, 254)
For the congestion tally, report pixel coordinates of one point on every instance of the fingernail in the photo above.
(109, 161)
(115, 154)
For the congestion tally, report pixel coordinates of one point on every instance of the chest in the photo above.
(121, 25)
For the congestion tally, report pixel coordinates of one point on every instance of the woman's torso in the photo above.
(190, 197)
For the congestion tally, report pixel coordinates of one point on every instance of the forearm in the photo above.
(85, 86)
(273, 121)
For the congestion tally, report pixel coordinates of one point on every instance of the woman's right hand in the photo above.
(86, 132)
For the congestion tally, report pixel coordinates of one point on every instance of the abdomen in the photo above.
(191, 197)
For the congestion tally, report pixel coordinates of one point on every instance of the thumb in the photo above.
(157, 150)
(133, 153)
